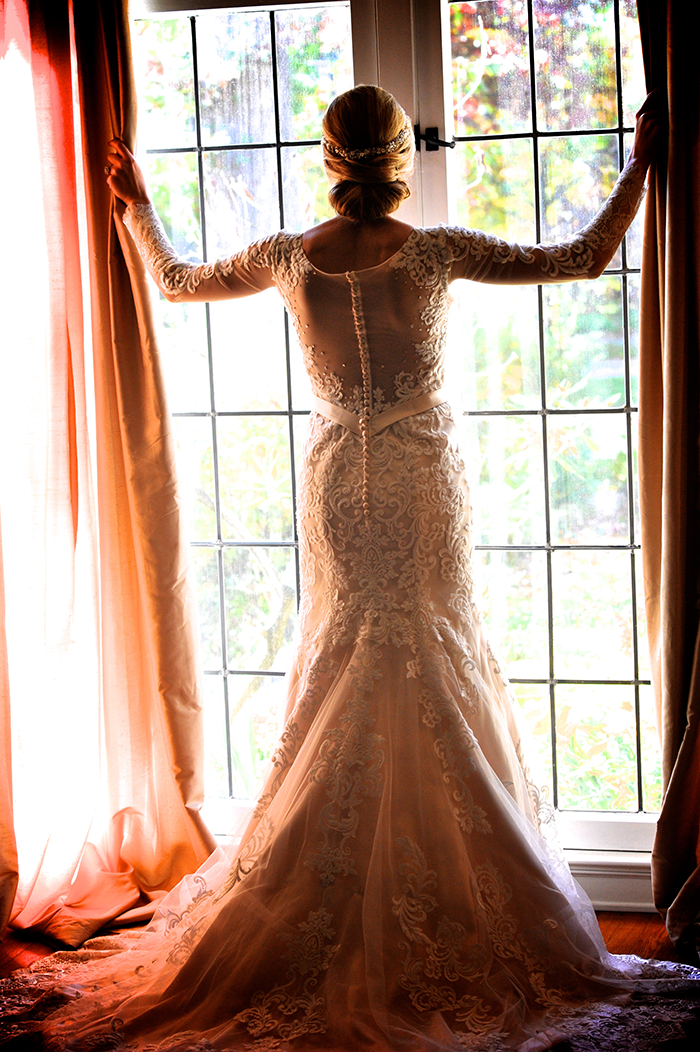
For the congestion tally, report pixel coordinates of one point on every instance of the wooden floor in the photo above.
(643, 934)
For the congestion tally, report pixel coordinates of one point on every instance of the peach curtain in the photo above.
(8, 846)
(98, 662)
(669, 438)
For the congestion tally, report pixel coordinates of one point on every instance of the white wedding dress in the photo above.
(396, 887)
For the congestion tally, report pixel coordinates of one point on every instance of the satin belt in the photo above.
(377, 423)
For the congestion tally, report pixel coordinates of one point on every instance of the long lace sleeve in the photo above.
(483, 257)
(242, 274)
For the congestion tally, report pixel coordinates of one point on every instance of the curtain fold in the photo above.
(102, 688)
(669, 441)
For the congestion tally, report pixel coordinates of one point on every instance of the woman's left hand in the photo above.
(651, 128)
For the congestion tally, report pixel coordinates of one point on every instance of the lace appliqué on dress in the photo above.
(294, 1008)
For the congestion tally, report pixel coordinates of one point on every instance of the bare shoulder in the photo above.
(319, 235)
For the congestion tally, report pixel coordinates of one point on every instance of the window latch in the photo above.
(430, 138)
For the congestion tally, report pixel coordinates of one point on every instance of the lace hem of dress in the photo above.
(641, 1022)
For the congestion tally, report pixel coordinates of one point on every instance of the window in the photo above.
(542, 93)
(231, 126)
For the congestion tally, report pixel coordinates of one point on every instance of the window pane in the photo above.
(254, 478)
(534, 702)
(162, 52)
(216, 761)
(301, 430)
(651, 758)
(584, 344)
(575, 63)
(313, 66)
(241, 199)
(633, 308)
(633, 85)
(642, 636)
(260, 590)
(490, 67)
(576, 175)
(175, 192)
(507, 475)
(494, 353)
(234, 62)
(245, 380)
(592, 613)
(255, 707)
(305, 188)
(634, 435)
(588, 482)
(514, 605)
(635, 234)
(206, 568)
(301, 385)
(195, 463)
(494, 188)
(596, 748)
(183, 346)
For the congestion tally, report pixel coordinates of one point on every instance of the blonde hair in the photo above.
(368, 151)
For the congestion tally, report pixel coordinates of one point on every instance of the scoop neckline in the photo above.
(360, 270)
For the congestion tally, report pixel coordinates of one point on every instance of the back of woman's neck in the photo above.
(340, 245)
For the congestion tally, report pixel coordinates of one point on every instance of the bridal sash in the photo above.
(411, 407)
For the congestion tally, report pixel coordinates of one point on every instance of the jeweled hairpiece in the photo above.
(370, 151)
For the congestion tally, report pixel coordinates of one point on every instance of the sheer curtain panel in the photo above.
(668, 444)
(98, 664)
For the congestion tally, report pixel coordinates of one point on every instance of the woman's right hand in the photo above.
(125, 178)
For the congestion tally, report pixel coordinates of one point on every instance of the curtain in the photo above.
(99, 677)
(8, 846)
(669, 438)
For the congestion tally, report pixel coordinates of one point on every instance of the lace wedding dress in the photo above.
(396, 887)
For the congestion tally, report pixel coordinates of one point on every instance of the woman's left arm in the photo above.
(482, 257)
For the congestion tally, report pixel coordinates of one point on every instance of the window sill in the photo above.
(601, 831)
(610, 857)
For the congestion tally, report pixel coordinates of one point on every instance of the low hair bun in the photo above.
(368, 152)
(364, 202)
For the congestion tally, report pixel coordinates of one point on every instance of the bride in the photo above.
(397, 886)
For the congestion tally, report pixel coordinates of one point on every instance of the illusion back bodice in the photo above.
(370, 329)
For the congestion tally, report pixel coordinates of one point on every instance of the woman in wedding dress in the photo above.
(396, 887)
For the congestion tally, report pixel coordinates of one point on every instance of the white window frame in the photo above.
(404, 45)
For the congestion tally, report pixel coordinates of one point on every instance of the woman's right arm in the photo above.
(242, 274)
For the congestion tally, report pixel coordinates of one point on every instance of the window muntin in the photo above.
(544, 94)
